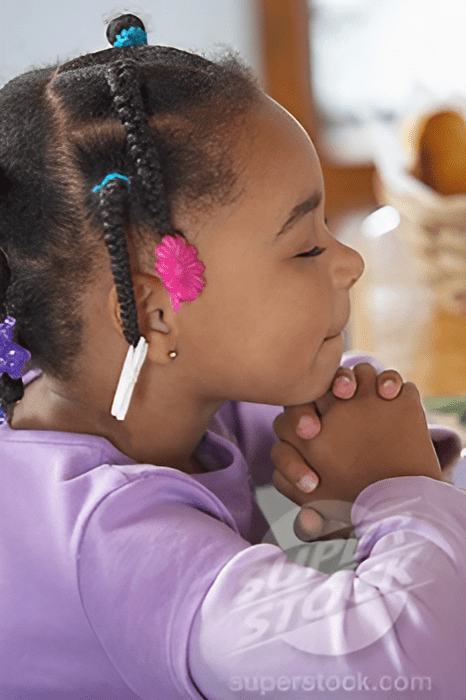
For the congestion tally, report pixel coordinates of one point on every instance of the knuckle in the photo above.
(365, 366)
(364, 370)
(410, 395)
(410, 389)
(390, 374)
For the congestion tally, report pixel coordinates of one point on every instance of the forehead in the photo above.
(277, 168)
(279, 159)
(273, 128)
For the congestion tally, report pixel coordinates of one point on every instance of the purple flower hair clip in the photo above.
(181, 271)
(12, 356)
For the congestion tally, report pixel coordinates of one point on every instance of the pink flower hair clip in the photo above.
(181, 271)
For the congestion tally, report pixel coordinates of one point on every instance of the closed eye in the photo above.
(312, 253)
(316, 250)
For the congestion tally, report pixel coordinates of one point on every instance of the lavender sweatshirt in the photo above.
(121, 580)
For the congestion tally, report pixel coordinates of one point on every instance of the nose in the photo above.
(349, 266)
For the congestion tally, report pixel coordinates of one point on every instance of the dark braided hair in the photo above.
(164, 118)
(112, 199)
(140, 144)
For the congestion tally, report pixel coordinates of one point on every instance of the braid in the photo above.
(140, 144)
(145, 161)
(112, 201)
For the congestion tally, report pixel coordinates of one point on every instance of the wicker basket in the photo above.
(433, 225)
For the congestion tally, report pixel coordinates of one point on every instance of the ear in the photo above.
(156, 318)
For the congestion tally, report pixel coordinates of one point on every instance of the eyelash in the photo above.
(316, 250)
(312, 253)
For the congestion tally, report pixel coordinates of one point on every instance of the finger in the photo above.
(389, 384)
(292, 473)
(304, 422)
(344, 384)
(308, 423)
(365, 375)
(287, 489)
(308, 524)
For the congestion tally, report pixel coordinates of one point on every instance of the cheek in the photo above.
(278, 318)
(297, 315)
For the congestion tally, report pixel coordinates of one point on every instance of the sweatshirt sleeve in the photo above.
(393, 627)
(185, 608)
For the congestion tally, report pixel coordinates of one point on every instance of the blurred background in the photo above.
(380, 87)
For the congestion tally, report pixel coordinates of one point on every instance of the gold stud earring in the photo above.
(173, 354)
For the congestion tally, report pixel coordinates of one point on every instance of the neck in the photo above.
(160, 433)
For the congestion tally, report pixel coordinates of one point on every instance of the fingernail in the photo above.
(308, 427)
(344, 386)
(307, 483)
(390, 388)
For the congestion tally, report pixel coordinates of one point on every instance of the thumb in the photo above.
(308, 524)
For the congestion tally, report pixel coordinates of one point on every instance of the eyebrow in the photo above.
(301, 210)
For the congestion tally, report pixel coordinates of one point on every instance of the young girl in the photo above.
(169, 282)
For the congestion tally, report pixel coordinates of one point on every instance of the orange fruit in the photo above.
(441, 153)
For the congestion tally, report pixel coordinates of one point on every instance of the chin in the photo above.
(320, 375)
(316, 392)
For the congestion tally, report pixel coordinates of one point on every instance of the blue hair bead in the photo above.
(134, 36)
(106, 179)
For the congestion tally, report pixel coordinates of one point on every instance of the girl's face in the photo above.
(259, 330)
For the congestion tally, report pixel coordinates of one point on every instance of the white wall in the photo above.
(35, 33)
(386, 56)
